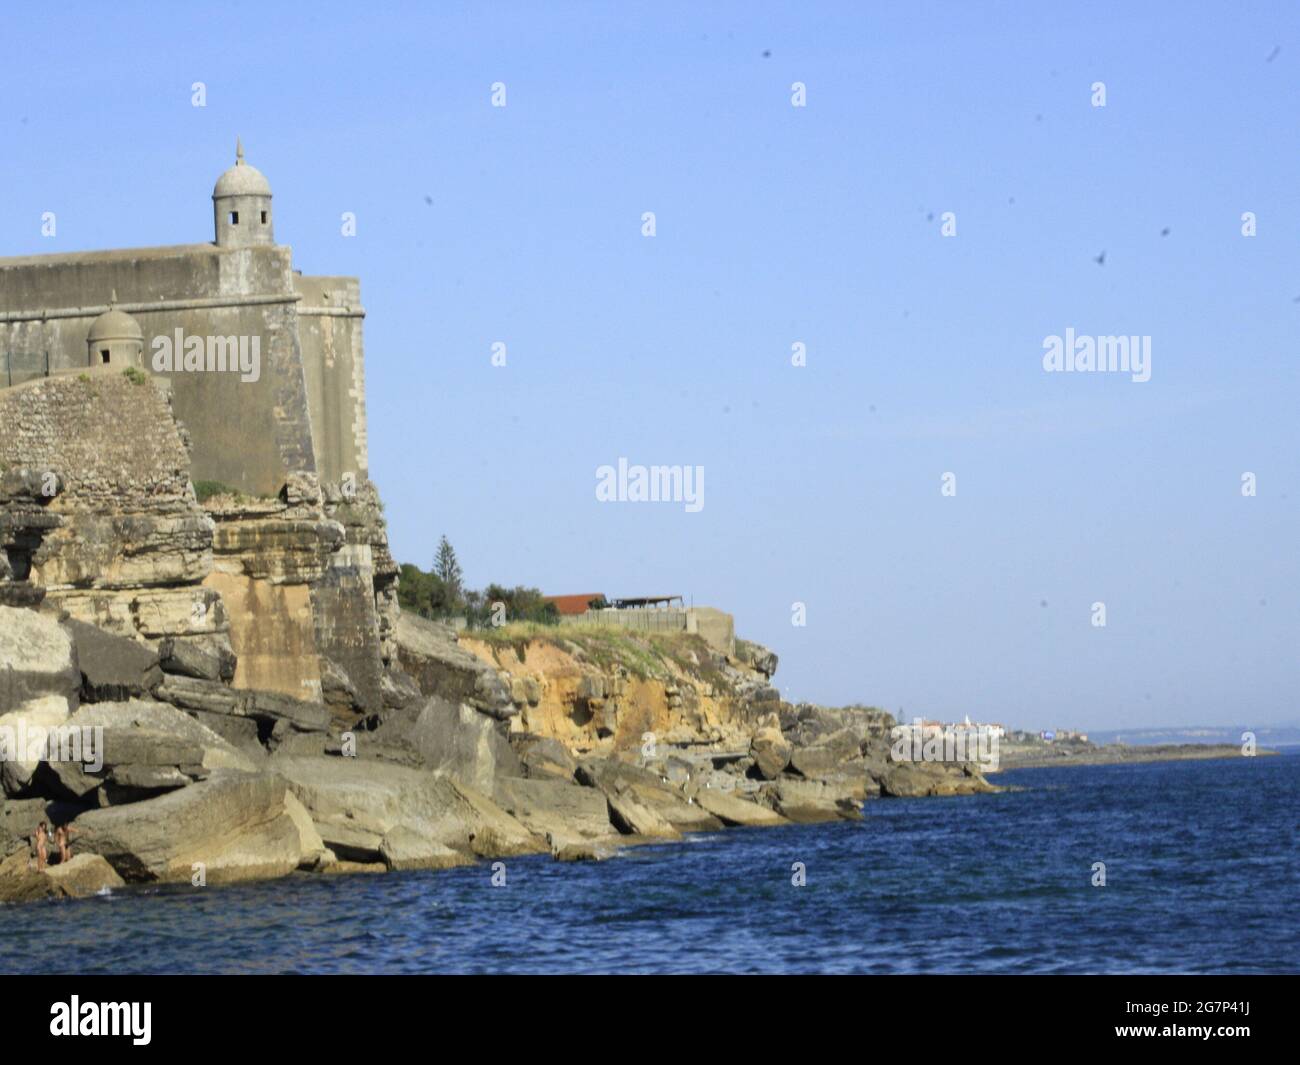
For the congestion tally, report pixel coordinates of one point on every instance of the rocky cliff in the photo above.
(221, 690)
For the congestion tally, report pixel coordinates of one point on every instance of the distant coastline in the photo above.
(1037, 756)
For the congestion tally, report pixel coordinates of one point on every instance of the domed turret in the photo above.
(115, 339)
(241, 205)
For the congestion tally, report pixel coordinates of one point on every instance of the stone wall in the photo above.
(98, 508)
(330, 329)
(249, 435)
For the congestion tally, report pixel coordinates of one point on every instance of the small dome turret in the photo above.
(241, 203)
(115, 339)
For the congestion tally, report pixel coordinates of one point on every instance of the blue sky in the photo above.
(776, 225)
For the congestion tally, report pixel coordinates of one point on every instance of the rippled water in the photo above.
(1201, 866)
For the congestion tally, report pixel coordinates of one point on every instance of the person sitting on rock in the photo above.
(42, 839)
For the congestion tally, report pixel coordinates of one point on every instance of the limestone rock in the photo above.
(234, 824)
(543, 758)
(429, 653)
(356, 803)
(731, 809)
(404, 847)
(555, 808)
(28, 726)
(112, 667)
(84, 875)
(37, 659)
(201, 657)
(770, 751)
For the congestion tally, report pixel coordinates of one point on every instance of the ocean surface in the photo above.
(1202, 866)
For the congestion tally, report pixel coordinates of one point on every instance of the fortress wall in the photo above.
(330, 329)
(248, 435)
(121, 542)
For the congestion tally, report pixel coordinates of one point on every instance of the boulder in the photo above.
(623, 782)
(24, 735)
(557, 809)
(84, 875)
(139, 732)
(756, 657)
(397, 690)
(543, 758)
(112, 667)
(406, 848)
(355, 803)
(831, 756)
(207, 657)
(635, 819)
(455, 739)
(315, 855)
(429, 653)
(37, 659)
(234, 824)
(770, 751)
(811, 802)
(731, 809)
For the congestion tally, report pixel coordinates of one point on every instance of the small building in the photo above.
(573, 605)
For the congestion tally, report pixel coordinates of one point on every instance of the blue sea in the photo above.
(1202, 868)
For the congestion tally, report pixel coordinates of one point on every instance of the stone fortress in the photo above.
(194, 567)
(101, 440)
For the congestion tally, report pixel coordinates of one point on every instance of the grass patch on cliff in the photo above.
(205, 490)
(646, 656)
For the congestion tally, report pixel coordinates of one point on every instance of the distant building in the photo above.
(571, 605)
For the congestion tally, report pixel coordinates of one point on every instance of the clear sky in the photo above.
(775, 224)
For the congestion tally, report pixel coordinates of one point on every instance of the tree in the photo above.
(447, 570)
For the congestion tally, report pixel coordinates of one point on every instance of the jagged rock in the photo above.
(84, 875)
(37, 658)
(211, 697)
(756, 657)
(112, 667)
(622, 782)
(135, 783)
(458, 740)
(337, 689)
(556, 809)
(771, 752)
(916, 779)
(398, 690)
(240, 732)
(234, 824)
(730, 809)
(543, 758)
(636, 819)
(406, 848)
(429, 653)
(297, 713)
(315, 855)
(139, 732)
(811, 801)
(20, 882)
(24, 733)
(355, 803)
(825, 759)
(201, 657)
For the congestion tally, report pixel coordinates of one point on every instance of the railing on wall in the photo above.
(19, 366)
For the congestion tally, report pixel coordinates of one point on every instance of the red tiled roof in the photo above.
(573, 604)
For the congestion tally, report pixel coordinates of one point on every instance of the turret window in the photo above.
(103, 354)
(263, 218)
(234, 218)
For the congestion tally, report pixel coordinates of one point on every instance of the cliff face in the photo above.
(98, 517)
